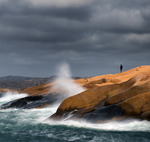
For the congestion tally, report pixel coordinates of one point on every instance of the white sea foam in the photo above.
(65, 83)
(41, 115)
(126, 125)
(10, 96)
(36, 116)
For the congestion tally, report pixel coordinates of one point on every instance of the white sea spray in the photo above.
(65, 83)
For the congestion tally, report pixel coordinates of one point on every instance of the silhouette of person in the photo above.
(121, 67)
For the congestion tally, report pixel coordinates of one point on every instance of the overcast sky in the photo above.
(93, 36)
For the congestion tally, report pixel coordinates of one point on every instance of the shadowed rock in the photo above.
(32, 102)
(104, 113)
(146, 115)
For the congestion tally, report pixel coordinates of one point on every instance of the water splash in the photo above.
(10, 96)
(65, 83)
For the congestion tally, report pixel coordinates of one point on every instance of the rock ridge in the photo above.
(126, 94)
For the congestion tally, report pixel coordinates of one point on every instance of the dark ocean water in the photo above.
(29, 126)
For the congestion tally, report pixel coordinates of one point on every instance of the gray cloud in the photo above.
(95, 37)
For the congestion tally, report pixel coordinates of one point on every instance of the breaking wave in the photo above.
(10, 96)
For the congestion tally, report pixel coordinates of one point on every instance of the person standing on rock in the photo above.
(121, 67)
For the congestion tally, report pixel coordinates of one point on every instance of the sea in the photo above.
(17, 125)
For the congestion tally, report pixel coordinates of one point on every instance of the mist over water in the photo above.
(65, 83)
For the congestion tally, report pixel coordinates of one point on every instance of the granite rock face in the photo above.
(110, 97)
(107, 97)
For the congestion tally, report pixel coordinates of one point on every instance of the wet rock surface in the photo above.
(104, 113)
(32, 102)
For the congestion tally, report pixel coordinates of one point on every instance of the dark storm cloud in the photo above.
(22, 22)
(93, 37)
(74, 13)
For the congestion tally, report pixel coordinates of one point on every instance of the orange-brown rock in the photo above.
(47, 88)
(39, 97)
(134, 86)
(91, 82)
(137, 105)
(128, 92)
(39, 90)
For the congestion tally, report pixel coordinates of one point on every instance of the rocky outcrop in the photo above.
(39, 96)
(46, 89)
(30, 102)
(110, 97)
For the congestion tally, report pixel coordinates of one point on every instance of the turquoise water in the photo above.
(30, 126)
